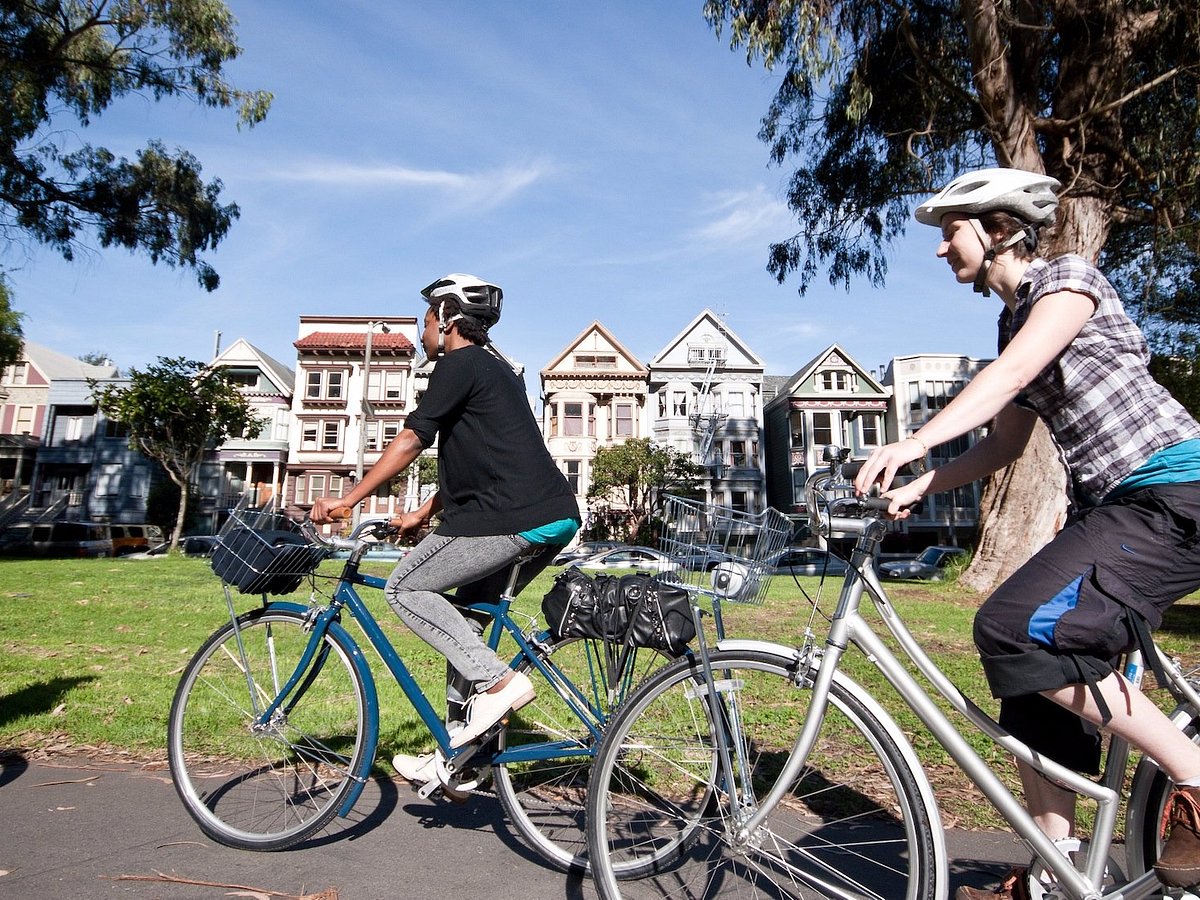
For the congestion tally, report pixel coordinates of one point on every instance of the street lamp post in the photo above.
(365, 409)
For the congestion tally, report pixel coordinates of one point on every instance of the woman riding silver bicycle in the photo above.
(1049, 637)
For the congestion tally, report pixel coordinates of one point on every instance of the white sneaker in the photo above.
(420, 770)
(485, 709)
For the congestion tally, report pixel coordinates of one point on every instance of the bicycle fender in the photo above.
(371, 725)
(742, 644)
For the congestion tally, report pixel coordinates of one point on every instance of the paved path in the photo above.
(93, 827)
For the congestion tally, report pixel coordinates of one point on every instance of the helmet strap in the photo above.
(442, 323)
(990, 253)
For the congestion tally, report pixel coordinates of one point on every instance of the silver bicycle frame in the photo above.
(848, 627)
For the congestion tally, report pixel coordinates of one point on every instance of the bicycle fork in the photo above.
(722, 694)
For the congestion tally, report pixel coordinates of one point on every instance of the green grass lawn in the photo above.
(91, 650)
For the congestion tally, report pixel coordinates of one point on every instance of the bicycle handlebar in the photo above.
(844, 511)
(376, 528)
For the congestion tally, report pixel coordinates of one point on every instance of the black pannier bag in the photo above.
(632, 610)
(569, 607)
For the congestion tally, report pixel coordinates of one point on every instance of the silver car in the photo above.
(634, 559)
(800, 561)
(930, 565)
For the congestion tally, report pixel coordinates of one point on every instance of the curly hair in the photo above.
(470, 328)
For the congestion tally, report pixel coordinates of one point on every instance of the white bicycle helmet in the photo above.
(476, 298)
(1027, 195)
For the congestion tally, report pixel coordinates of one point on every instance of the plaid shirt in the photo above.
(1104, 409)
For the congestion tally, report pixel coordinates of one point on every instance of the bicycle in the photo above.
(274, 726)
(791, 780)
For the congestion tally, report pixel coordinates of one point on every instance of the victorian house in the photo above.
(705, 399)
(830, 400)
(594, 395)
(354, 387)
(254, 466)
(25, 417)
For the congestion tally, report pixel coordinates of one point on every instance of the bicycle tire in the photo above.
(545, 799)
(856, 818)
(265, 788)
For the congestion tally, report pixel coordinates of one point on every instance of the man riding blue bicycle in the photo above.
(500, 498)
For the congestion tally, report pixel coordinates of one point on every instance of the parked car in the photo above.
(81, 540)
(198, 544)
(929, 565)
(808, 561)
(633, 559)
(584, 549)
(134, 538)
(701, 559)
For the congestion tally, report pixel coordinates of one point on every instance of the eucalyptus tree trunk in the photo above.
(1023, 506)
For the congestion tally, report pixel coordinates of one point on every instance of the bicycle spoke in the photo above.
(279, 781)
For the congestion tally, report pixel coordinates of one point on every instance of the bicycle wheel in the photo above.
(265, 787)
(545, 797)
(854, 824)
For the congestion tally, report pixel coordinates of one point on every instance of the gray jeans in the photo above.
(479, 568)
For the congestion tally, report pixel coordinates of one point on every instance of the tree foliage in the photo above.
(881, 102)
(62, 64)
(176, 411)
(631, 476)
(11, 335)
(1175, 369)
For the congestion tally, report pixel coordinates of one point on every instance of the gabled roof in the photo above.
(242, 351)
(603, 340)
(796, 381)
(54, 365)
(707, 326)
(347, 341)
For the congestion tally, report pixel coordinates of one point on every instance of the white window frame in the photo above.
(314, 435)
(23, 419)
(619, 419)
(324, 384)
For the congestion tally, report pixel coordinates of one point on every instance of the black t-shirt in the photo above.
(495, 475)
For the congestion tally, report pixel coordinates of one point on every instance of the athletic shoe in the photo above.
(420, 770)
(488, 709)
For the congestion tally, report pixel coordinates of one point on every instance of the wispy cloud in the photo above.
(745, 217)
(480, 190)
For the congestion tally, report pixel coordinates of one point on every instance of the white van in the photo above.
(128, 539)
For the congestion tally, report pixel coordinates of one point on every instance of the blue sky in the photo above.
(597, 160)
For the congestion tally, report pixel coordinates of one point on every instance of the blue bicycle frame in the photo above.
(327, 619)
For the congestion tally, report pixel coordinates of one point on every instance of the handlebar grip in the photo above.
(851, 467)
(878, 504)
(344, 512)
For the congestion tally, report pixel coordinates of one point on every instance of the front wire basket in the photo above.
(260, 551)
(721, 552)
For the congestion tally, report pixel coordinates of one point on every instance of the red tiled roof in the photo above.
(352, 340)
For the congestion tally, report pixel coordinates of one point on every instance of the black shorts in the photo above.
(1064, 617)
